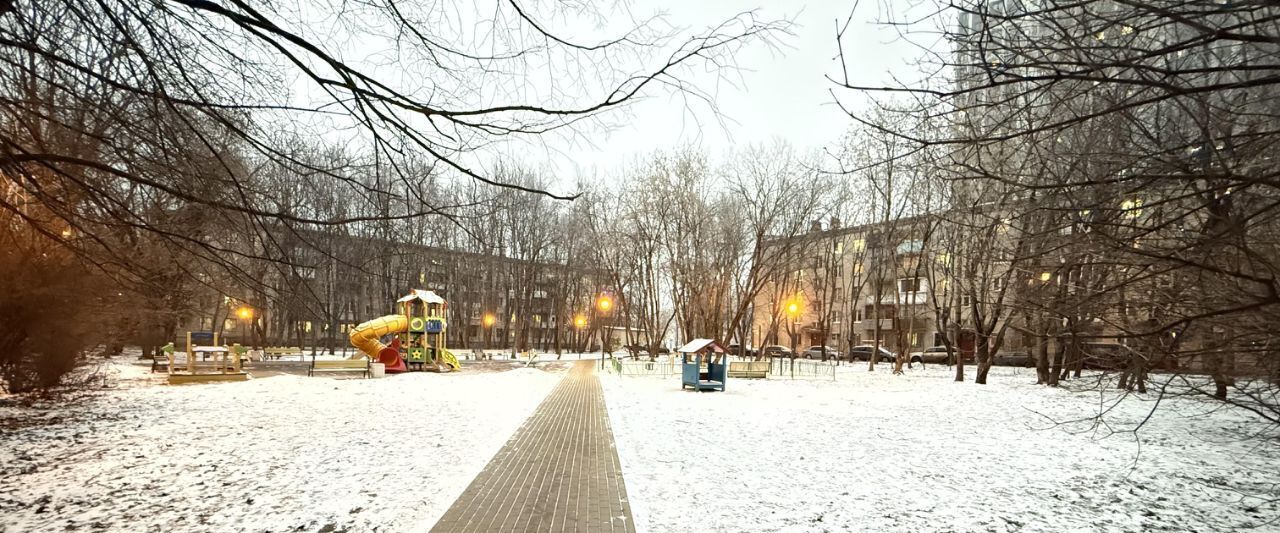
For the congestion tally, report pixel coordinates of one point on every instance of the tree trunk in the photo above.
(984, 361)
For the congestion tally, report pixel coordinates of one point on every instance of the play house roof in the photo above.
(425, 296)
(698, 345)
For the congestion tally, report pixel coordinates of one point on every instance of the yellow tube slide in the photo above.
(367, 336)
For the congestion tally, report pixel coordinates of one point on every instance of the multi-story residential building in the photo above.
(326, 284)
(845, 286)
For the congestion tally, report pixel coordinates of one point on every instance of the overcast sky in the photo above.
(778, 93)
(775, 92)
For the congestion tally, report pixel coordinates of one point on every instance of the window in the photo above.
(910, 247)
(859, 245)
(1132, 208)
(909, 285)
(965, 300)
(839, 247)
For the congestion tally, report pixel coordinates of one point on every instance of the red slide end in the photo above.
(390, 358)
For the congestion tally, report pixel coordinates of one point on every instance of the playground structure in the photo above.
(703, 365)
(419, 328)
(224, 366)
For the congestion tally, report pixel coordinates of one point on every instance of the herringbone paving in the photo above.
(558, 473)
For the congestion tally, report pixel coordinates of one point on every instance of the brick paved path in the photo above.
(559, 472)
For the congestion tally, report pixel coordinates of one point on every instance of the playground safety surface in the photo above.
(558, 472)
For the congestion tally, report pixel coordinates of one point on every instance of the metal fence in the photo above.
(646, 368)
(785, 367)
(779, 367)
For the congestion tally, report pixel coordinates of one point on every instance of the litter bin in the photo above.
(377, 370)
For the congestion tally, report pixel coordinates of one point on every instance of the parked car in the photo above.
(934, 354)
(863, 353)
(815, 352)
(1107, 356)
(1022, 359)
(774, 350)
(737, 349)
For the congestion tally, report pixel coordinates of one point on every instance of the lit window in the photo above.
(1132, 207)
(839, 247)
(1101, 36)
(859, 245)
(1126, 30)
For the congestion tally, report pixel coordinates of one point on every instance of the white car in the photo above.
(933, 354)
(815, 352)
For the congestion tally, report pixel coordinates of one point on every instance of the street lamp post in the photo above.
(488, 321)
(246, 314)
(793, 310)
(579, 322)
(603, 304)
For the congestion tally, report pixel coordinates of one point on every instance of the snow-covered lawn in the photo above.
(283, 453)
(874, 452)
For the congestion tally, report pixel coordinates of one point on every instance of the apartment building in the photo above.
(845, 286)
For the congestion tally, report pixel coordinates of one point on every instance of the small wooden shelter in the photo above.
(703, 365)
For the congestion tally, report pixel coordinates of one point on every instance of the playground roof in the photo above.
(698, 345)
(419, 294)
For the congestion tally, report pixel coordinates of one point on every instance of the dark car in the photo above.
(863, 353)
(775, 350)
(1022, 359)
(736, 349)
(1107, 356)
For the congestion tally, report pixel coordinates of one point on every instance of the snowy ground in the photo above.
(283, 453)
(874, 452)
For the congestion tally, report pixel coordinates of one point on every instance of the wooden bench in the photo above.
(341, 365)
(749, 369)
(276, 352)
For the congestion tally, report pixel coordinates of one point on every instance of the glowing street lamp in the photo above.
(793, 310)
(580, 322)
(603, 304)
(245, 313)
(487, 321)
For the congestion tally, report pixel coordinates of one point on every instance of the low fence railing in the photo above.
(646, 368)
(785, 367)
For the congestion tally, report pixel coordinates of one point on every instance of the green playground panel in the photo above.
(417, 324)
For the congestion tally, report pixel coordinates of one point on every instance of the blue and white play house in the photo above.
(703, 365)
